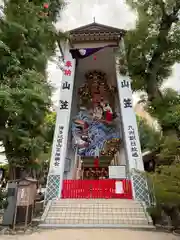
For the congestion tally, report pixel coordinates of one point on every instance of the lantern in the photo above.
(46, 5)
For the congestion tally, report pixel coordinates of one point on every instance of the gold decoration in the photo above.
(96, 82)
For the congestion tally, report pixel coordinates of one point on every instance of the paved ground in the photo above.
(93, 234)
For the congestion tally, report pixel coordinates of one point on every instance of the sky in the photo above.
(116, 14)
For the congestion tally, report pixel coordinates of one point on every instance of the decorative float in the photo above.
(94, 132)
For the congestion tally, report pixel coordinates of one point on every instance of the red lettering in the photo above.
(67, 72)
(68, 64)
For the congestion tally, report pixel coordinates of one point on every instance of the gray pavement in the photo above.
(93, 234)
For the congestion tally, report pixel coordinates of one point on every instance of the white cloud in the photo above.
(81, 12)
(174, 80)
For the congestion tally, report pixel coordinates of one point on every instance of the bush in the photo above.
(166, 181)
(3, 199)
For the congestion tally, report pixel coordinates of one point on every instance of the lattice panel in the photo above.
(52, 187)
(141, 188)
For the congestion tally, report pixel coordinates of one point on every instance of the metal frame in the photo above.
(52, 187)
(140, 186)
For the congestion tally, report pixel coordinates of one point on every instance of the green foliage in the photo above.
(166, 181)
(166, 110)
(169, 150)
(149, 137)
(49, 125)
(48, 129)
(27, 40)
(153, 47)
(3, 199)
(5, 168)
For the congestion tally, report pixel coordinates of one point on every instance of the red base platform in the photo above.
(108, 188)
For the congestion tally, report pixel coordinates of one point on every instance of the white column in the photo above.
(60, 141)
(130, 130)
(131, 136)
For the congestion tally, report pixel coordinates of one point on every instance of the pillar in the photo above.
(60, 141)
(134, 159)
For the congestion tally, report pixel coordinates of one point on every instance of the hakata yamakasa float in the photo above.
(96, 151)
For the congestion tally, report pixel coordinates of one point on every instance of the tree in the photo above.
(153, 47)
(151, 51)
(27, 40)
(3, 200)
(48, 133)
(166, 181)
(167, 111)
(149, 137)
(49, 126)
(40, 167)
(169, 150)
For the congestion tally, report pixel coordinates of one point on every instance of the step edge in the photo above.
(87, 211)
(92, 218)
(125, 226)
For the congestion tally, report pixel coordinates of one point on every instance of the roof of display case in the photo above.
(96, 32)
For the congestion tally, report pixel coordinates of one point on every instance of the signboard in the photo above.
(117, 172)
(129, 123)
(119, 187)
(59, 148)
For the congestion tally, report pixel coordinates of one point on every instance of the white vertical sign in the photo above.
(59, 148)
(129, 122)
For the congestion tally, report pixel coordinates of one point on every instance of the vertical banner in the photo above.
(133, 148)
(60, 140)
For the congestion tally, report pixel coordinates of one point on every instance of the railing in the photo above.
(96, 189)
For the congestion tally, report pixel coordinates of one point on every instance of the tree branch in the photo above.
(162, 46)
(175, 11)
(161, 4)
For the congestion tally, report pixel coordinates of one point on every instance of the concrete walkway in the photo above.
(93, 234)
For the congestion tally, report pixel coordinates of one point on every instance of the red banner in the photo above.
(96, 189)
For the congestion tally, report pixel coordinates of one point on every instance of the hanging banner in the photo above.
(129, 123)
(86, 52)
(58, 155)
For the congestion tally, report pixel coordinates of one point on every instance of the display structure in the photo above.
(96, 125)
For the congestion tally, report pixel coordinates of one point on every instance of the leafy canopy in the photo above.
(167, 184)
(149, 136)
(153, 47)
(27, 40)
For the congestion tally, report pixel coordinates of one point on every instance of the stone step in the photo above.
(93, 201)
(93, 212)
(97, 221)
(86, 210)
(98, 226)
(100, 217)
(91, 219)
(97, 205)
(134, 209)
(51, 213)
(100, 210)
